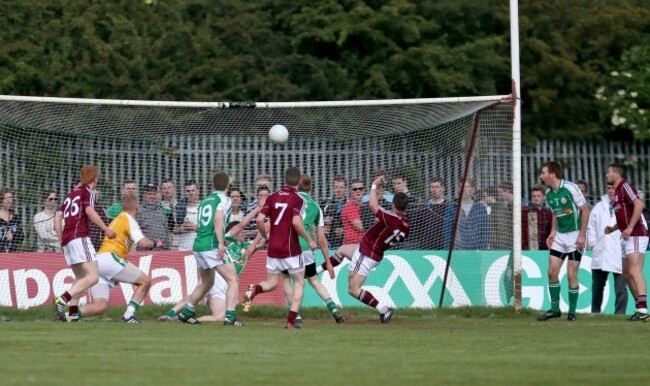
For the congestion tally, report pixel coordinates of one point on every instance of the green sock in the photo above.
(171, 313)
(554, 289)
(330, 305)
(188, 310)
(230, 315)
(573, 299)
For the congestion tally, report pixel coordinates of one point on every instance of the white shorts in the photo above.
(208, 259)
(308, 257)
(634, 244)
(218, 289)
(292, 264)
(362, 265)
(79, 250)
(113, 269)
(565, 242)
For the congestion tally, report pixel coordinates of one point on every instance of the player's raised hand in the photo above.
(378, 181)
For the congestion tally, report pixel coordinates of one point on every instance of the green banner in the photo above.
(478, 278)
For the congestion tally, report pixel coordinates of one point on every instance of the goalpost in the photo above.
(459, 143)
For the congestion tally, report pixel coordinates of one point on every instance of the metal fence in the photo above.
(245, 158)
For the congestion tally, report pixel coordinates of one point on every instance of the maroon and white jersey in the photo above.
(624, 196)
(388, 231)
(74, 213)
(281, 207)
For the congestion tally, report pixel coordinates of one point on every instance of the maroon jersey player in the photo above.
(77, 209)
(628, 208)
(284, 209)
(391, 228)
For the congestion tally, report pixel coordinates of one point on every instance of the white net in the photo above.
(419, 144)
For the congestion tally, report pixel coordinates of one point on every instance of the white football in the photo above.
(279, 134)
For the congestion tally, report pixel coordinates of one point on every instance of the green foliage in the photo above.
(272, 50)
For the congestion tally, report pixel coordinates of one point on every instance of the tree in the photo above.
(624, 94)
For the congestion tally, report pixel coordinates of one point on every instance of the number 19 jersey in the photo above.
(388, 231)
(206, 239)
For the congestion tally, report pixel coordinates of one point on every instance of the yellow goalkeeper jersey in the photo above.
(127, 233)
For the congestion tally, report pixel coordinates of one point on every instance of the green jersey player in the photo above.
(567, 237)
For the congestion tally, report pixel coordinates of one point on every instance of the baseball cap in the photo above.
(150, 188)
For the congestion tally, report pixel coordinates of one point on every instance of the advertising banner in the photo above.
(404, 279)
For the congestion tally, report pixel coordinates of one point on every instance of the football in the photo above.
(278, 134)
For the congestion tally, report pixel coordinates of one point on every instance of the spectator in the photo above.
(11, 230)
(332, 208)
(262, 180)
(154, 223)
(606, 253)
(262, 183)
(536, 221)
(237, 213)
(585, 188)
(501, 218)
(432, 217)
(187, 216)
(400, 185)
(473, 230)
(351, 215)
(95, 233)
(488, 197)
(114, 210)
(47, 240)
(168, 190)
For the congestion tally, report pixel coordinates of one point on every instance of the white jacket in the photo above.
(606, 250)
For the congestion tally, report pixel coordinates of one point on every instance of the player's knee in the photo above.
(101, 305)
(144, 281)
(354, 292)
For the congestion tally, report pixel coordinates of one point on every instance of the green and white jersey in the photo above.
(205, 239)
(234, 253)
(313, 216)
(565, 204)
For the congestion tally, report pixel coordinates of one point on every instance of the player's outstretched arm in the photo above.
(373, 201)
(94, 217)
(261, 226)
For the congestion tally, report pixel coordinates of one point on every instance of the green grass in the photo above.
(423, 347)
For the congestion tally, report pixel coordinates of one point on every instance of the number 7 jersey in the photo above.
(389, 230)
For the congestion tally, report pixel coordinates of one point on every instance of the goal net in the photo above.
(431, 149)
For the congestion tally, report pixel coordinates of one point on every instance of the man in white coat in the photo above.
(606, 254)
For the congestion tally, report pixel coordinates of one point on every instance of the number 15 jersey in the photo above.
(389, 230)
(206, 239)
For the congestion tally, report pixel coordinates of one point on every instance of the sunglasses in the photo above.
(358, 189)
(52, 198)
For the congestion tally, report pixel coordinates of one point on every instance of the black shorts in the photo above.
(310, 271)
(572, 256)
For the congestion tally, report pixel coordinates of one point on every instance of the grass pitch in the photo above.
(419, 347)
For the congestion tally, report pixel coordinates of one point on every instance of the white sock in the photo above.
(130, 309)
(381, 308)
